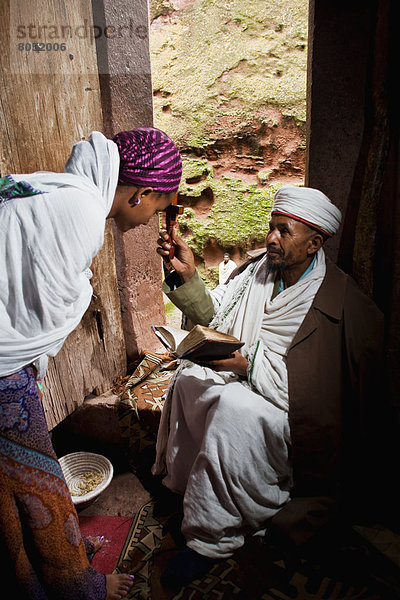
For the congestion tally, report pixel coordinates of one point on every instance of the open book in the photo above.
(200, 343)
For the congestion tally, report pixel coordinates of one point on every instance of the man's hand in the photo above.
(236, 363)
(183, 261)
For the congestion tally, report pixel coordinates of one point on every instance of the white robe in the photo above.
(47, 243)
(225, 269)
(224, 443)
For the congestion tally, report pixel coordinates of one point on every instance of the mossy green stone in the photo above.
(238, 216)
(222, 69)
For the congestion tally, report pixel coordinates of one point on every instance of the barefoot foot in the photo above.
(118, 585)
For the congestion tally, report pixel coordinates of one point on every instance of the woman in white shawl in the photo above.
(51, 227)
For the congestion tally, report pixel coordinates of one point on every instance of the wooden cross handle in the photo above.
(171, 214)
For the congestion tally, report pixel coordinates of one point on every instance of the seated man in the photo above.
(272, 433)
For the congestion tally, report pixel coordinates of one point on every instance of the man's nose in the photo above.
(272, 238)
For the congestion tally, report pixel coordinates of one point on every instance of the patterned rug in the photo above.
(354, 571)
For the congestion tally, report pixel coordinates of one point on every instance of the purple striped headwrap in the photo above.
(149, 158)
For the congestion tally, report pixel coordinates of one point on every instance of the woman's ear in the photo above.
(145, 191)
(135, 199)
(123, 194)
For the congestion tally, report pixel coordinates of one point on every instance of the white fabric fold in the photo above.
(228, 454)
(47, 243)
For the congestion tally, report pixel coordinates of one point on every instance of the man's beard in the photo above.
(273, 266)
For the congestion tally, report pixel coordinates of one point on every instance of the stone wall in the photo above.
(229, 83)
(127, 101)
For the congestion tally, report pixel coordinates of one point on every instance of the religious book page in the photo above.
(198, 343)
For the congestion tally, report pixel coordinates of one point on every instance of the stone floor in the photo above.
(123, 498)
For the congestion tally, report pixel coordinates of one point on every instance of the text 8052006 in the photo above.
(41, 46)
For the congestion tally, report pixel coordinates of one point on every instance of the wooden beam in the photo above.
(50, 99)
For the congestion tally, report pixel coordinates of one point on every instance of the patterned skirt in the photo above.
(44, 555)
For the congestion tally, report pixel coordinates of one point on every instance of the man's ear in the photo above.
(315, 243)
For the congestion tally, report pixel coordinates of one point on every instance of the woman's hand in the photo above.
(183, 261)
(236, 363)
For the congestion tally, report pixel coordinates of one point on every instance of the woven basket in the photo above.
(76, 464)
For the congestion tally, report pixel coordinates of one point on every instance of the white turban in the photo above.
(309, 206)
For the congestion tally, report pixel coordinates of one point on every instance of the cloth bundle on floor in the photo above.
(140, 403)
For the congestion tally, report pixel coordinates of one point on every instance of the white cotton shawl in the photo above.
(245, 309)
(47, 243)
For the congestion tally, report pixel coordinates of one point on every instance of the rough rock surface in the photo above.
(229, 86)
